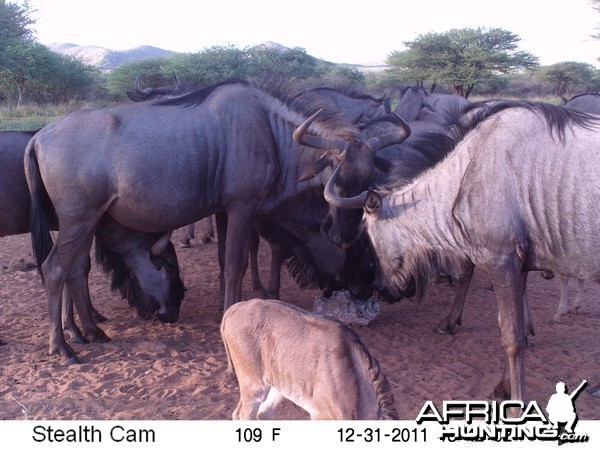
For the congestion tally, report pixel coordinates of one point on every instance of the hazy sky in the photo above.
(336, 30)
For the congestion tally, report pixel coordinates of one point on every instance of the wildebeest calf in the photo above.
(278, 350)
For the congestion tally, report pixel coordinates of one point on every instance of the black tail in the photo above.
(43, 216)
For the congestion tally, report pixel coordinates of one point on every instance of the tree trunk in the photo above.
(458, 90)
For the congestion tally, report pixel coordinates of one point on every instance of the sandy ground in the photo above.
(151, 370)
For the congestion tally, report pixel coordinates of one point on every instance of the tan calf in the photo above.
(278, 350)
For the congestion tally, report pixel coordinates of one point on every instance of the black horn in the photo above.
(336, 146)
(379, 142)
(332, 198)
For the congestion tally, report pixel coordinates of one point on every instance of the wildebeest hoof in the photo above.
(71, 361)
(184, 244)
(79, 340)
(99, 337)
(206, 239)
(98, 318)
(445, 328)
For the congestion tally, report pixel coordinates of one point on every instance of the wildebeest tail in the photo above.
(42, 216)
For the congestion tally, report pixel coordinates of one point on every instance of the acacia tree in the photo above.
(459, 58)
(565, 77)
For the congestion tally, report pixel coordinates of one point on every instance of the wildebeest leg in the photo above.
(527, 320)
(253, 245)
(578, 298)
(253, 392)
(210, 233)
(185, 242)
(55, 270)
(266, 411)
(78, 288)
(508, 285)
(563, 304)
(68, 318)
(448, 324)
(221, 220)
(239, 222)
(277, 260)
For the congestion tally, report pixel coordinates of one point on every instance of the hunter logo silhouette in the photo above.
(561, 406)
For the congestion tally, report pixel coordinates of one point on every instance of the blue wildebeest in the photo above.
(226, 149)
(518, 193)
(589, 103)
(313, 260)
(130, 251)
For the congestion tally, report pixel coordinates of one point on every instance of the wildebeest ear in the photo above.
(314, 169)
(373, 203)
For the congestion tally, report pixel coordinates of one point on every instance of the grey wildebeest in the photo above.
(226, 149)
(518, 193)
(129, 251)
(278, 350)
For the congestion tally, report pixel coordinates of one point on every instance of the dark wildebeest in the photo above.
(225, 149)
(589, 103)
(15, 208)
(129, 250)
(518, 193)
(313, 261)
(353, 105)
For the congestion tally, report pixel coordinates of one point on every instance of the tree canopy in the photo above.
(218, 63)
(566, 77)
(29, 67)
(459, 58)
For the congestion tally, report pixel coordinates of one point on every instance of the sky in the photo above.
(342, 31)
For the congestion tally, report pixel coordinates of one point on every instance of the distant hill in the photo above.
(106, 59)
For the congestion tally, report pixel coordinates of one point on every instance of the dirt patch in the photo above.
(151, 370)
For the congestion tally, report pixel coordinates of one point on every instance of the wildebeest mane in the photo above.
(348, 90)
(304, 270)
(306, 102)
(198, 96)
(425, 267)
(432, 147)
(557, 118)
(383, 390)
(123, 280)
(286, 91)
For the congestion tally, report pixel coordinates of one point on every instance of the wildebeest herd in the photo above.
(352, 195)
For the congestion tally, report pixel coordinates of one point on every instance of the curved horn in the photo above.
(138, 86)
(177, 83)
(342, 202)
(160, 246)
(179, 88)
(379, 142)
(335, 146)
